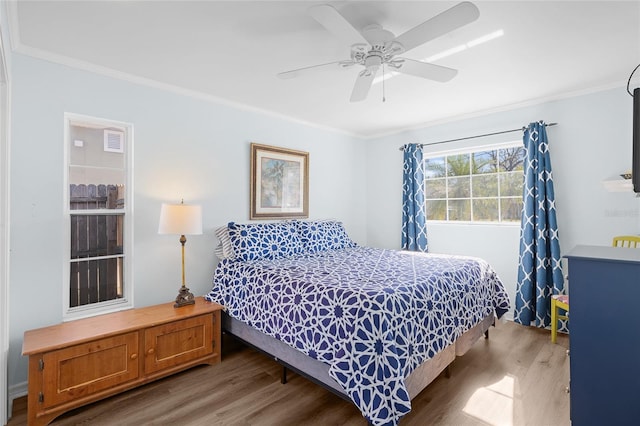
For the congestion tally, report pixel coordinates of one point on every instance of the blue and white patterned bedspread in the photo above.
(373, 315)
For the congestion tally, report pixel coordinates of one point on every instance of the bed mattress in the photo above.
(372, 315)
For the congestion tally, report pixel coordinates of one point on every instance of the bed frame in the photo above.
(318, 372)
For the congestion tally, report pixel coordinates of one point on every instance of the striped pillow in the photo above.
(224, 249)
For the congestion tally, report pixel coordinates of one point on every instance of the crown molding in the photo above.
(18, 47)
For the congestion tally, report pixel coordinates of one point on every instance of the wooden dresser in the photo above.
(78, 362)
(604, 291)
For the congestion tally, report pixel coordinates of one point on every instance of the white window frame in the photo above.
(77, 312)
(470, 150)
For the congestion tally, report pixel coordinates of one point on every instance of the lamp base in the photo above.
(184, 297)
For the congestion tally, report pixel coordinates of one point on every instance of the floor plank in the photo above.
(516, 377)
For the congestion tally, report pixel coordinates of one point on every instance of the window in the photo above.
(98, 211)
(475, 186)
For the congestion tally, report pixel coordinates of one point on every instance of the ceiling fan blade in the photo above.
(312, 68)
(426, 70)
(363, 84)
(336, 24)
(447, 21)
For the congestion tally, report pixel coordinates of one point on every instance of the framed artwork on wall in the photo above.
(279, 183)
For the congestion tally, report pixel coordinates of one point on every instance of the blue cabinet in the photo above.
(604, 295)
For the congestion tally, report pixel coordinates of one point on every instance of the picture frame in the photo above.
(279, 183)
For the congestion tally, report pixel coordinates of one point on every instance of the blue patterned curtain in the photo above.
(540, 267)
(414, 217)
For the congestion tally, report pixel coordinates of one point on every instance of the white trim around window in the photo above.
(126, 301)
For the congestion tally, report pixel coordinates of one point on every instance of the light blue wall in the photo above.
(591, 143)
(183, 148)
(199, 150)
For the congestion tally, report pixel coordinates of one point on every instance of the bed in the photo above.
(373, 325)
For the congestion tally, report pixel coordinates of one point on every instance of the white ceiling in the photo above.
(232, 51)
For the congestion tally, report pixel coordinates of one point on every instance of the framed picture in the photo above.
(279, 183)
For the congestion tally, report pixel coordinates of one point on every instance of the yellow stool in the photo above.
(558, 301)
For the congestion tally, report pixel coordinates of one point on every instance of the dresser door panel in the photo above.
(84, 369)
(172, 344)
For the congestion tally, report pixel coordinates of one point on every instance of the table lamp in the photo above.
(181, 219)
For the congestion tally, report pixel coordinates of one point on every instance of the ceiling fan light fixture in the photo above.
(373, 60)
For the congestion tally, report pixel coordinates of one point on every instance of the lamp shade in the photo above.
(180, 219)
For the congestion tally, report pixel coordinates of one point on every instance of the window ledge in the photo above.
(477, 223)
(95, 309)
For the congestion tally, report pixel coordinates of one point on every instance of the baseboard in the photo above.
(16, 391)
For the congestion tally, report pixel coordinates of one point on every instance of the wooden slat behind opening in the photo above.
(95, 235)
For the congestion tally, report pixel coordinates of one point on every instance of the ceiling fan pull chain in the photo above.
(383, 97)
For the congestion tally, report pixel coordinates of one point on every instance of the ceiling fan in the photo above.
(374, 47)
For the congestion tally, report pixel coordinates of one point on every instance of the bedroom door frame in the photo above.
(4, 232)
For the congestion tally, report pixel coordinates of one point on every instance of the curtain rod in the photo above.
(521, 129)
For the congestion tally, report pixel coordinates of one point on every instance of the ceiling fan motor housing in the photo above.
(360, 53)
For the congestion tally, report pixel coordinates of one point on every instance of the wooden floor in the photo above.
(516, 377)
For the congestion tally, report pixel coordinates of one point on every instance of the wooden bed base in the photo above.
(318, 372)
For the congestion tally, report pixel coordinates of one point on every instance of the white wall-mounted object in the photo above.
(113, 141)
(618, 184)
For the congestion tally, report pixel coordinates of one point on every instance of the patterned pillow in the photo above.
(322, 235)
(254, 241)
(224, 249)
